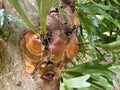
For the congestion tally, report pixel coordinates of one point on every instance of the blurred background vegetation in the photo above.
(99, 39)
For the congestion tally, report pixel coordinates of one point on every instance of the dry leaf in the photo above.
(72, 47)
(57, 46)
(76, 19)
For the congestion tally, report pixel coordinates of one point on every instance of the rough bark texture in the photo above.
(13, 76)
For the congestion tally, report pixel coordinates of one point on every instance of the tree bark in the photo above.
(13, 75)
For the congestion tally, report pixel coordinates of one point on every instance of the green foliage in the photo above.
(5, 19)
(77, 82)
(98, 73)
(3, 23)
(99, 49)
(19, 7)
(98, 19)
(44, 7)
(113, 46)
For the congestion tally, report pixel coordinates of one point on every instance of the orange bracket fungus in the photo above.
(32, 49)
(34, 44)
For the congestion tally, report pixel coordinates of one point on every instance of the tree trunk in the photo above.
(43, 58)
(13, 75)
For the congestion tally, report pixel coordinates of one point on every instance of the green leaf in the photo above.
(113, 46)
(101, 80)
(1, 32)
(1, 17)
(115, 84)
(17, 4)
(15, 20)
(77, 82)
(5, 24)
(81, 39)
(62, 86)
(63, 13)
(98, 73)
(117, 2)
(90, 29)
(86, 88)
(81, 1)
(104, 7)
(106, 27)
(44, 7)
(93, 67)
(98, 10)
